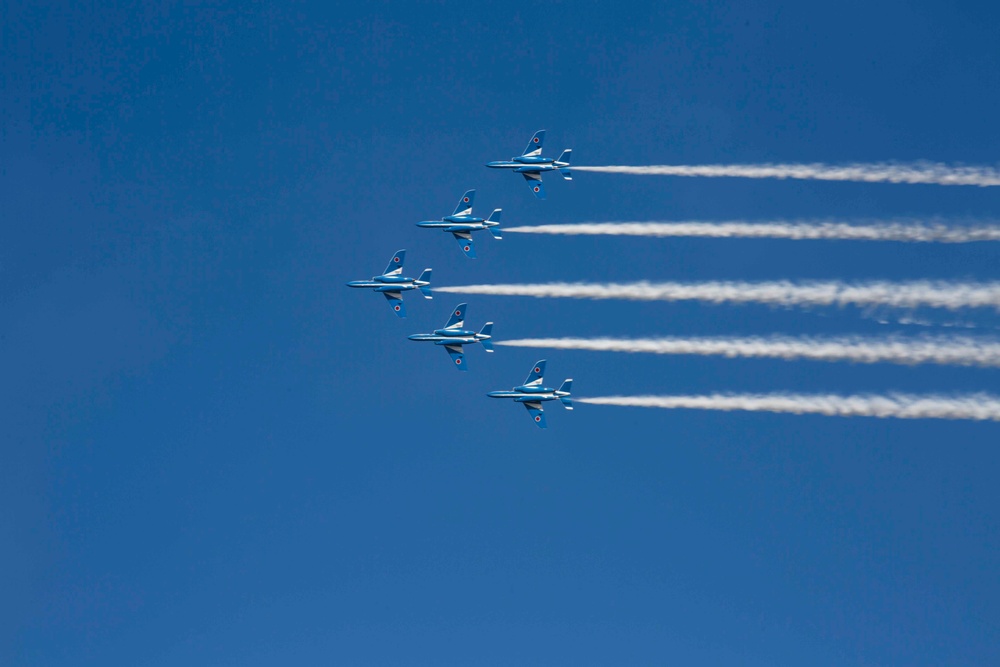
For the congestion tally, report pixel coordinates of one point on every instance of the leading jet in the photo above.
(453, 336)
(462, 223)
(532, 394)
(392, 283)
(531, 164)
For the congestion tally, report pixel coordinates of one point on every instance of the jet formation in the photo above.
(532, 394)
(453, 336)
(531, 164)
(392, 283)
(461, 224)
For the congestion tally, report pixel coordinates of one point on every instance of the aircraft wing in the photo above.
(457, 355)
(465, 203)
(395, 300)
(536, 412)
(465, 243)
(534, 180)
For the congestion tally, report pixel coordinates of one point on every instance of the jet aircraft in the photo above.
(392, 283)
(462, 223)
(531, 164)
(453, 336)
(532, 394)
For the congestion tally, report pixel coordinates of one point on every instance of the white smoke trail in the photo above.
(980, 407)
(880, 172)
(894, 230)
(958, 351)
(934, 294)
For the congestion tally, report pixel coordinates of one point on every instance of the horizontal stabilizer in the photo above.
(563, 164)
(495, 218)
(565, 400)
(425, 277)
(486, 342)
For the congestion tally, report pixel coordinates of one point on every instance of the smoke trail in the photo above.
(880, 172)
(980, 407)
(916, 294)
(895, 230)
(961, 351)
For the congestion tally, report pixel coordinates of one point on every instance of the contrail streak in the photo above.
(934, 294)
(959, 351)
(980, 407)
(910, 231)
(879, 172)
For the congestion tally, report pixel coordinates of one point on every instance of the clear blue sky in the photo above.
(215, 453)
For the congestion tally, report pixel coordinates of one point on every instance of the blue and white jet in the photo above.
(531, 164)
(532, 394)
(462, 223)
(453, 336)
(392, 283)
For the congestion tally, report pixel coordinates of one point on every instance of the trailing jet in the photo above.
(393, 283)
(453, 336)
(462, 223)
(531, 164)
(533, 394)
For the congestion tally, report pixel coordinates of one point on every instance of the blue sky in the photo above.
(215, 453)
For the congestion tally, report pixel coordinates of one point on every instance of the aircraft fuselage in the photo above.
(525, 163)
(458, 223)
(450, 337)
(389, 283)
(525, 393)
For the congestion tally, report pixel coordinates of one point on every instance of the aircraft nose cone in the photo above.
(414, 337)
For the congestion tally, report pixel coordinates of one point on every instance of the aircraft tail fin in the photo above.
(425, 277)
(395, 266)
(563, 164)
(534, 146)
(465, 203)
(565, 400)
(486, 342)
(495, 217)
